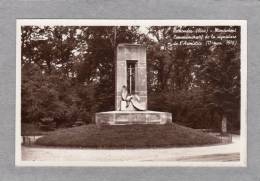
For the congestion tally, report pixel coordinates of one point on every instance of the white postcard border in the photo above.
(116, 22)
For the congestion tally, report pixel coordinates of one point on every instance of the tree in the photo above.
(198, 84)
(220, 78)
(68, 73)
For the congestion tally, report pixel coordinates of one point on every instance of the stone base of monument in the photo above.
(132, 117)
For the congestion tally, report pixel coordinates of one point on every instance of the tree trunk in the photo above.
(224, 124)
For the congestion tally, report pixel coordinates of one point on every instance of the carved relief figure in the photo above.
(130, 102)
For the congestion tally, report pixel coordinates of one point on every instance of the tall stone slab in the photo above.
(131, 54)
(130, 67)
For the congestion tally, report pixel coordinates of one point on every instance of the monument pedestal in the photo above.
(132, 117)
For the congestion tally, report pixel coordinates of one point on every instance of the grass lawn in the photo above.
(130, 136)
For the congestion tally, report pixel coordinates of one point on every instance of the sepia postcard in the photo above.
(153, 93)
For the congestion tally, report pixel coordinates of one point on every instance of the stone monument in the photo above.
(131, 90)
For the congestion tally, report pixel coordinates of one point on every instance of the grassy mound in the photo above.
(130, 136)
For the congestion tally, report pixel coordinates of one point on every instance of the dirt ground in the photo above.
(221, 153)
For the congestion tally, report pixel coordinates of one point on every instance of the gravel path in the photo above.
(227, 152)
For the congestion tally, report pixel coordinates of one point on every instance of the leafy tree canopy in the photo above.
(68, 72)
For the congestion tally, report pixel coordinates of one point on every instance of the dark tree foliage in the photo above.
(68, 74)
(200, 85)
